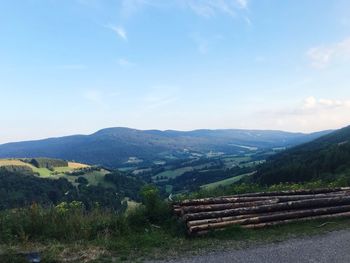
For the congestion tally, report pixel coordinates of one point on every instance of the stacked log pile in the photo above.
(258, 210)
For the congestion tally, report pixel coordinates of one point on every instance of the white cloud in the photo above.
(120, 31)
(243, 3)
(322, 56)
(309, 103)
(312, 114)
(320, 104)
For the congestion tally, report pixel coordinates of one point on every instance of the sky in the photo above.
(77, 66)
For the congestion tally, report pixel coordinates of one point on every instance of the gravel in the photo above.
(332, 247)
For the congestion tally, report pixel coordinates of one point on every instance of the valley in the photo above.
(129, 206)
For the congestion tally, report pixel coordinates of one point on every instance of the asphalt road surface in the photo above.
(332, 247)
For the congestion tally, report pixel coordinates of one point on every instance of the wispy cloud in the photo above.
(125, 63)
(131, 7)
(210, 8)
(243, 3)
(205, 8)
(160, 96)
(94, 96)
(204, 43)
(101, 99)
(322, 56)
(72, 66)
(121, 32)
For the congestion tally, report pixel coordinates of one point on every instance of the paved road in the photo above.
(332, 247)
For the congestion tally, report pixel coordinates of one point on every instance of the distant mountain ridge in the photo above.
(323, 158)
(113, 146)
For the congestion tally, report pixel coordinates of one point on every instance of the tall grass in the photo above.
(71, 222)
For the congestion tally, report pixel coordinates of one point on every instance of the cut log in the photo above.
(272, 217)
(216, 207)
(302, 204)
(281, 222)
(283, 198)
(296, 192)
(272, 200)
(222, 200)
(220, 219)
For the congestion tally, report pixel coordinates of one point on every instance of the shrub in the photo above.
(156, 210)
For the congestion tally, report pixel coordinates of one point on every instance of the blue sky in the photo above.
(76, 66)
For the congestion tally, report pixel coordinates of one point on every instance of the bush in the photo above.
(156, 210)
(48, 163)
(81, 180)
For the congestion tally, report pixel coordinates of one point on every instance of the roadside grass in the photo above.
(163, 243)
(69, 233)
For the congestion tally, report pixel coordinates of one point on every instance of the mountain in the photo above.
(323, 158)
(114, 146)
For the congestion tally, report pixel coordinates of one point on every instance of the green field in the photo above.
(180, 171)
(173, 173)
(235, 161)
(93, 177)
(225, 182)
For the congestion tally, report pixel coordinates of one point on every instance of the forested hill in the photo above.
(114, 146)
(323, 158)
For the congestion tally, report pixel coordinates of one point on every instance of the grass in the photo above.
(74, 165)
(168, 188)
(44, 172)
(97, 177)
(173, 173)
(94, 178)
(161, 243)
(67, 232)
(132, 205)
(4, 162)
(225, 182)
(235, 161)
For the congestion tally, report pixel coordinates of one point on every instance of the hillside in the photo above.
(323, 158)
(22, 183)
(116, 146)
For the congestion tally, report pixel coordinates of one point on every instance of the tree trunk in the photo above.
(216, 207)
(296, 192)
(273, 217)
(282, 222)
(309, 203)
(282, 198)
